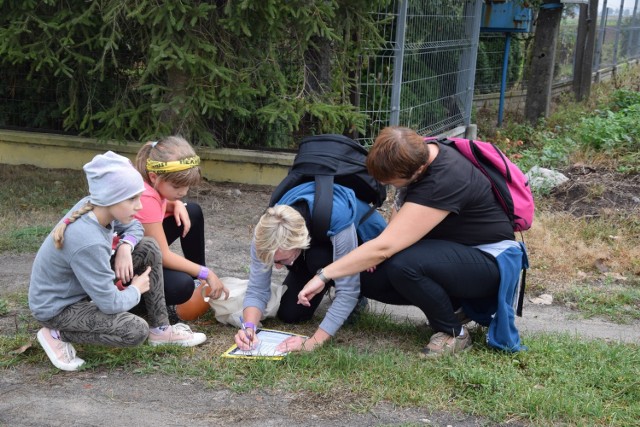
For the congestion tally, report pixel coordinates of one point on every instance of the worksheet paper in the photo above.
(269, 340)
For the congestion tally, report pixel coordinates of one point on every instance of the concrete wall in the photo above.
(70, 152)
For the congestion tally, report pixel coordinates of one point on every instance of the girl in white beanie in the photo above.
(72, 291)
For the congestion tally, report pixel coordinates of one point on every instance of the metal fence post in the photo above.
(634, 38)
(618, 31)
(603, 27)
(398, 62)
(473, 11)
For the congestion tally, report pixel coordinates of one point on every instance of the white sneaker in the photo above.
(178, 334)
(62, 354)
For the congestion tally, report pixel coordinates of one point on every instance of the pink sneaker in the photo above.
(62, 354)
(178, 334)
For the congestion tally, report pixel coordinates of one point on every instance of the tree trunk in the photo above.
(317, 78)
(542, 61)
(317, 70)
(178, 120)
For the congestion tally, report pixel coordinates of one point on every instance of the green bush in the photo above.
(240, 71)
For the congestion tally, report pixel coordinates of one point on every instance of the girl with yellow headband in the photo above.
(169, 168)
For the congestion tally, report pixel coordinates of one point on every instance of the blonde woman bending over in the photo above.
(282, 240)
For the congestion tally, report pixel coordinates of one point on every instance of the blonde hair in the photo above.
(280, 227)
(168, 149)
(58, 232)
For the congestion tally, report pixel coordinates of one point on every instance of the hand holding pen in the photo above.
(246, 337)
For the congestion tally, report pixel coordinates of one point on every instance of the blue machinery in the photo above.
(512, 16)
(506, 17)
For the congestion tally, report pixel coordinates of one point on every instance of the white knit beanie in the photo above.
(112, 179)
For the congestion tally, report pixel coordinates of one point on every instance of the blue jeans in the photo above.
(434, 275)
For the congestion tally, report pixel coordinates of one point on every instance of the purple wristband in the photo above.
(204, 273)
(131, 240)
(249, 325)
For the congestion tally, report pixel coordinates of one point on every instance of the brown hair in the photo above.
(397, 152)
(169, 149)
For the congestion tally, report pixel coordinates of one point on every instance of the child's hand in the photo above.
(182, 217)
(217, 287)
(142, 281)
(123, 263)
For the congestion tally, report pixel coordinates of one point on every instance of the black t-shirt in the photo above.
(453, 184)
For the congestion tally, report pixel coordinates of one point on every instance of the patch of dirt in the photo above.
(37, 395)
(592, 192)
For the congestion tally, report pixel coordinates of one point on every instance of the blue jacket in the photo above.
(498, 313)
(347, 210)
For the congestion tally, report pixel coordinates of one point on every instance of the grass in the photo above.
(561, 380)
(620, 303)
(31, 201)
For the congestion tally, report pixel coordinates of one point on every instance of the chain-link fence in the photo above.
(617, 42)
(423, 77)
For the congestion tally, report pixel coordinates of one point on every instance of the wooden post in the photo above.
(542, 61)
(585, 44)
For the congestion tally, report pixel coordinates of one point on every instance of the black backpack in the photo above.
(328, 159)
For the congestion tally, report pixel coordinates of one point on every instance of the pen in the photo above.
(246, 334)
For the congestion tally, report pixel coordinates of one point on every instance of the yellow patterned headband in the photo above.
(174, 166)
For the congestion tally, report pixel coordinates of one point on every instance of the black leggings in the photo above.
(302, 270)
(433, 275)
(179, 286)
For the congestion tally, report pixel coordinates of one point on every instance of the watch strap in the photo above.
(320, 274)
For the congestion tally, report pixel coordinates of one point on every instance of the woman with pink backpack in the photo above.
(449, 248)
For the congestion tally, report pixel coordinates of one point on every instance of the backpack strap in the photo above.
(366, 216)
(523, 279)
(322, 207)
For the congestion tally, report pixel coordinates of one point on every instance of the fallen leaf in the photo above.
(22, 349)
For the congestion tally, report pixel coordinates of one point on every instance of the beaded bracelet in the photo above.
(204, 273)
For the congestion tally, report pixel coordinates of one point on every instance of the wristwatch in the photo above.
(320, 274)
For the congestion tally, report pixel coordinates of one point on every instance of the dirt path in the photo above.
(30, 396)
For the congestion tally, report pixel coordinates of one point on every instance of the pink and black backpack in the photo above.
(510, 185)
